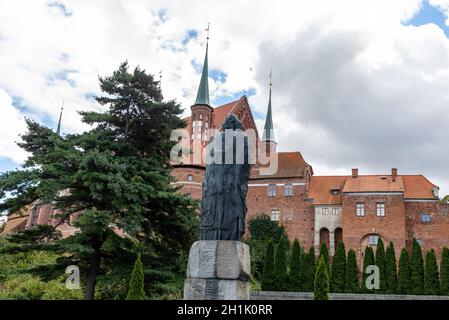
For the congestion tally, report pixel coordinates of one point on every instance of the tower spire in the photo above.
(58, 129)
(202, 96)
(268, 133)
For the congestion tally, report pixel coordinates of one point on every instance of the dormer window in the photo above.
(335, 191)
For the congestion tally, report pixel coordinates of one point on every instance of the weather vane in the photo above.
(207, 30)
(160, 79)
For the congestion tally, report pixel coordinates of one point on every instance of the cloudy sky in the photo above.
(355, 83)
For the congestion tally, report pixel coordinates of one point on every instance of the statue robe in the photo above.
(223, 205)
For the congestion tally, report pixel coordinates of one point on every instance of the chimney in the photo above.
(355, 173)
(394, 173)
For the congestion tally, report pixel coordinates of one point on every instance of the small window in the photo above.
(275, 215)
(334, 211)
(288, 190)
(380, 211)
(373, 240)
(425, 217)
(334, 192)
(325, 211)
(189, 177)
(272, 190)
(201, 116)
(419, 241)
(360, 209)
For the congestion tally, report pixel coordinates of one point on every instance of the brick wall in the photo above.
(391, 227)
(433, 234)
(296, 214)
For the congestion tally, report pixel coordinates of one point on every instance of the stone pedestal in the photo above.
(218, 270)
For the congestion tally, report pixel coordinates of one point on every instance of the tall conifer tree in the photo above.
(404, 285)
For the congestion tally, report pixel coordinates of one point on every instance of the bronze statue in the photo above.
(223, 205)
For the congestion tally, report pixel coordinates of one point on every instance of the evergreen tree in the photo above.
(338, 273)
(324, 252)
(368, 260)
(118, 175)
(380, 263)
(444, 272)
(404, 286)
(391, 270)
(135, 288)
(417, 269)
(308, 270)
(321, 282)
(351, 278)
(280, 266)
(268, 269)
(295, 267)
(431, 277)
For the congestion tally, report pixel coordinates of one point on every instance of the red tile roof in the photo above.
(374, 183)
(418, 187)
(223, 111)
(290, 165)
(413, 186)
(321, 186)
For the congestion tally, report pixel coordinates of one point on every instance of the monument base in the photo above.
(218, 270)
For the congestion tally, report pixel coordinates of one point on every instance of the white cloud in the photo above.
(352, 86)
(12, 123)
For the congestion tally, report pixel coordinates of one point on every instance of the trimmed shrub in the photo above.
(268, 268)
(337, 282)
(321, 282)
(404, 286)
(351, 278)
(431, 278)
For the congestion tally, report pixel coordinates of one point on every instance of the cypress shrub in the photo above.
(295, 267)
(368, 260)
(431, 278)
(351, 278)
(380, 263)
(444, 272)
(417, 270)
(324, 252)
(321, 282)
(268, 268)
(135, 288)
(337, 282)
(280, 266)
(404, 286)
(308, 270)
(391, 270)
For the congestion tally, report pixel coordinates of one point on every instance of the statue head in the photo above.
(232, 122)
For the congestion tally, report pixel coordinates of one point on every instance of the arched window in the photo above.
(324, 236)
(189, 177)
(338, 234)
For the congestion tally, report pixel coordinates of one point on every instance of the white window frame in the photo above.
(325, 211)
(335, 211)
(275, 215)
(288, 190)
(370, 242)
(360, 209)
(271, 190)
(380, 209)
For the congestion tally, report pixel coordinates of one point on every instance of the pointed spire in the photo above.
(268, 133)
(203, 91)
(58, 129)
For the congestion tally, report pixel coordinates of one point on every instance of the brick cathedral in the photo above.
(356, 208)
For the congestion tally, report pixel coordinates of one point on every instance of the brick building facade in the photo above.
(357, 209)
